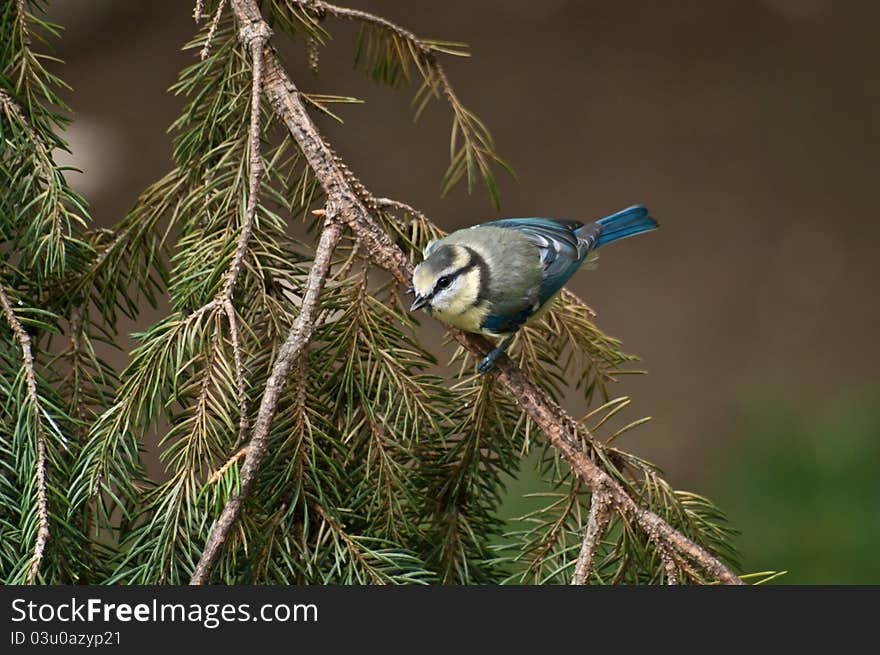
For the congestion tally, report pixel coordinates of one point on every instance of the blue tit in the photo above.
(494, 277)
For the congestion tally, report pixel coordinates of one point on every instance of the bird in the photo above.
(494, 277)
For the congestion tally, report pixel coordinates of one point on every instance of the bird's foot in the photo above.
(488, 362)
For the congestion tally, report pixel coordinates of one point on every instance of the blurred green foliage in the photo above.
(801, 484)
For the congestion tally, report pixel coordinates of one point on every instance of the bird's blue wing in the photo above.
(506, 323)
(562, 246)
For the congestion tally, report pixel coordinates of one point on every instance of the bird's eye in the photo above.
(444, 281)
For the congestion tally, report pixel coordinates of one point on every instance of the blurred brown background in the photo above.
(749, 128)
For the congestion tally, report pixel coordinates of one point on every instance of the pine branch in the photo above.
(43, 211)
(219, 473)
(22, 22)
(37, 411)
(215, 22)
(559, 428)
(76, 357)
(234, 333)
(597, 525)
(290, 351)
(255, 41)
(51, 207)
(15, 112)
(669, 564)
(349, 543)
(199, 10)
(389, 203)
(552, 535)
(196, 362)
(387, 48)
(337, 483)
(465, 480)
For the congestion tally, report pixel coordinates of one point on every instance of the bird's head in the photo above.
(449, 280)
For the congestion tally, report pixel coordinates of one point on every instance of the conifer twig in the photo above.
(255, 38)
(396, 205)
(424, 49)
(11, 106)
(548, 416)
(229, 310)
(347, 540)
(75, 323)
(198, 10)
(43, 155)
(322, 8)
(295, 344)
(219, 473)
(215, 23)
(24, 342)
(669, 565)
(574, 299)
(477, 151)
(597, 524)
(21, 11)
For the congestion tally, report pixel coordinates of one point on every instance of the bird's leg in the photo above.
(488, 362)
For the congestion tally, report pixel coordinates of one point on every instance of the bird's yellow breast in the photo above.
(468, 318)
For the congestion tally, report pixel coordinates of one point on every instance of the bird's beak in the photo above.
(418, 303)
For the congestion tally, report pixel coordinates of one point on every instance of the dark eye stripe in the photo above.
(478, 261)
(449, 278)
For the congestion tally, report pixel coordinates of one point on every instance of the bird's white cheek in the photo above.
(456, 305)
(446, 305)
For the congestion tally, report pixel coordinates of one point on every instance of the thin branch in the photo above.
(386, 204)
(44, 156)
(559, 428)
(215, 23)
(219, 473)
(264, 553)
(425, 49)
(325, 8)
(352, 546)
(52, 178)
(556, 533)
(75, 325)
(478, 150)
(98, 262)
(229, 310)
(669, 566)
(597, 524)
(198, 10)
(288, 354)
(573, 299)
(22, 22)
(24, 341)
(390, 203)
(314, 54)
(255, 37)
(12, 107)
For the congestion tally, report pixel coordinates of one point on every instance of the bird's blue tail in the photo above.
(625, 223)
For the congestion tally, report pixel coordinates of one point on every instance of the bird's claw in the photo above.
(486, 364)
